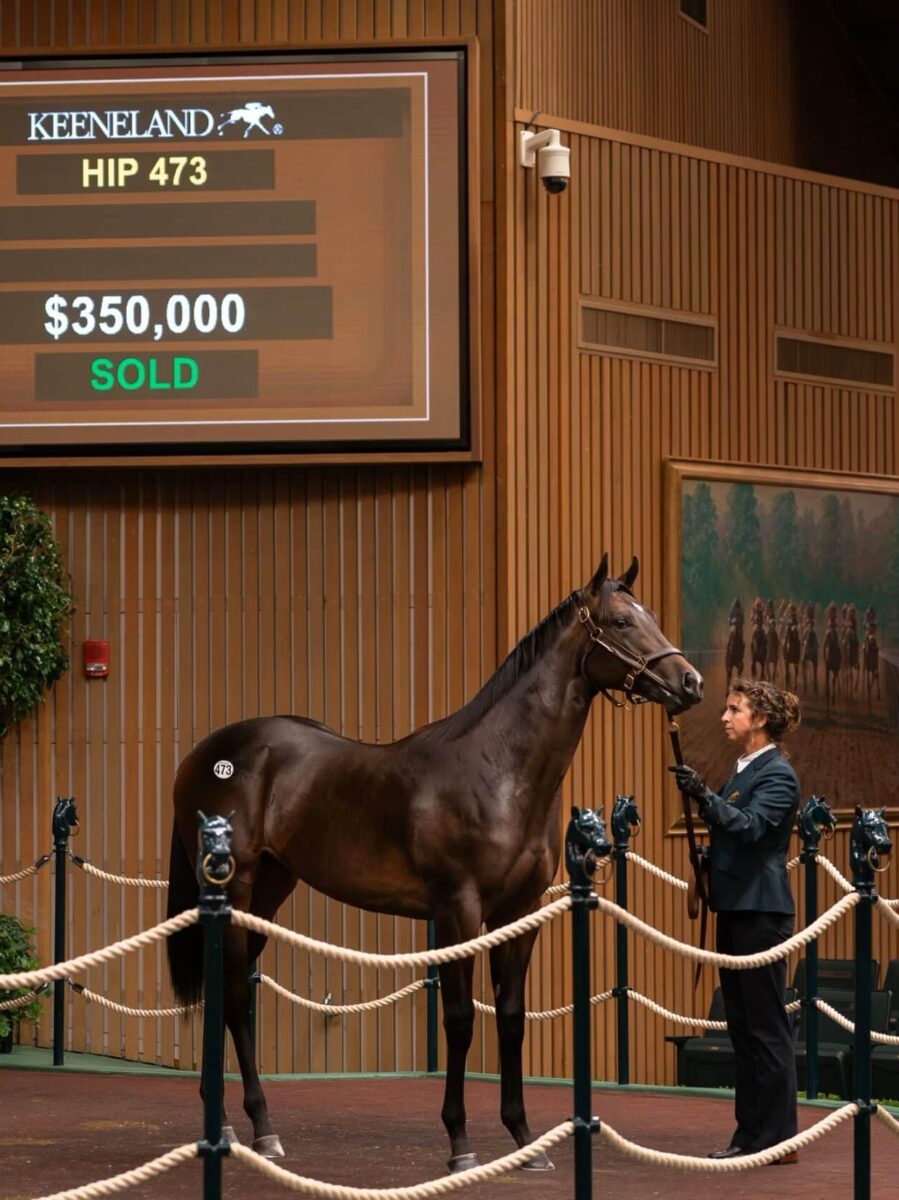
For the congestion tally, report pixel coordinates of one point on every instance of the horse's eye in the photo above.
(621, 622)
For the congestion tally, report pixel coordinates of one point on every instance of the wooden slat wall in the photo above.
(764, 79)
(588, 434)
(363, 597)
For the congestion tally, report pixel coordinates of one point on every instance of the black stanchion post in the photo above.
(253, 979)
(868, 842)
(585, 842)
(625, 819)
(65, 822)
(431, 989)
(215, 868)
(815, 820)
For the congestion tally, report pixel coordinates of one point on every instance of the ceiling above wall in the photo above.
(871, 27)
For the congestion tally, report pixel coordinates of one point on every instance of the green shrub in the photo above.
(16, 954)
(35, 607)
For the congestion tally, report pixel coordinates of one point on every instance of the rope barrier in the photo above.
(886, 1038)
(794, 862)
(60, 970)
(550, 1012)
(657, 871)
(20, 1001)
(887, 1118)
(746, 1162)
(336, 1010)
(834, 873)
(126, 880)
(736, 962)
(118, 1183)
(26, 871)
(95, 998)
(556, 889)
(419, 958)
(886, 911)
(421, 1191)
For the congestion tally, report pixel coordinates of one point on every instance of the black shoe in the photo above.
(728, 1152)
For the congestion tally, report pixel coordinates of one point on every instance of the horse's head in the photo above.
(585, 843)
(625, 648)
(816, 821)
(65, 818)
(869, 843)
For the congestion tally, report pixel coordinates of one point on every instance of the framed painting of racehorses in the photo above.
(792, 576)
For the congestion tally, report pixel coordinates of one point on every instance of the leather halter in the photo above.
(638, 664)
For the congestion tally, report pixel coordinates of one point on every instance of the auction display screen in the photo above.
(268, 254)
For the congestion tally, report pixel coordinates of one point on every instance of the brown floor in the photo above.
(62, 1131)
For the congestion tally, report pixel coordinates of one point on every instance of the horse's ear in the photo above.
(602, 574)
(881, 812)
(201, 814)
(630, 574)
(858, 810)
(575, 812)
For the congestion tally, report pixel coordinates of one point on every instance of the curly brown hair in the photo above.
(780, 709)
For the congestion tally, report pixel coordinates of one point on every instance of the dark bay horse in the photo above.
(459, 822)
(871, 662)
(734, 653)
(791, 656)
(758, 651)
(833, 660)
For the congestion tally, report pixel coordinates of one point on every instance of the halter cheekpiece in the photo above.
(638, 664)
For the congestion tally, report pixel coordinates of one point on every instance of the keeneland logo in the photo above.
(131, 124)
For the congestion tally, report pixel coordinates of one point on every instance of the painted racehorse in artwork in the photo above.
(458, 823)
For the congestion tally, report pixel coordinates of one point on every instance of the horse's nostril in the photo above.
(692, 684)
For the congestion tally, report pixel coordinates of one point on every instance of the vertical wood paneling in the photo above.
(639, 66)
(753, 248)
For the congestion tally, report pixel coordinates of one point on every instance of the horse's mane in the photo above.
(520, 660)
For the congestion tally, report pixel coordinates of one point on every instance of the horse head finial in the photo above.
(870, 846)
(625, 821)
(585, 844)
(816, 820)
(215, 863)
(65, 819)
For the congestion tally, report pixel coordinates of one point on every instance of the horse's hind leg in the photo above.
(508, 970)
(272, 886)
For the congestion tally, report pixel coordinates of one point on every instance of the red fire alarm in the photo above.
(96, 659)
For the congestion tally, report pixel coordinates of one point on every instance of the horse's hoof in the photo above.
(229, 1136)
(462, 1162)
(538, 1163)
(269, 1146)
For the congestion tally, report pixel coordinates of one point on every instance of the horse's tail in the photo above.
(185, 948)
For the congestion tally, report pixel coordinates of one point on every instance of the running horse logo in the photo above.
(251, 115)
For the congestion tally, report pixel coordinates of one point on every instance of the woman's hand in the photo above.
(690, 782)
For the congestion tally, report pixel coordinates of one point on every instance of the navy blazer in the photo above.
(750, 823)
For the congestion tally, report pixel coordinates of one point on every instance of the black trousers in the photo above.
(765, 1102)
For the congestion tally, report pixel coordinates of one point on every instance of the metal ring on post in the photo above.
(609, 865)
(827, 832)
(869, 858)
(218, 882)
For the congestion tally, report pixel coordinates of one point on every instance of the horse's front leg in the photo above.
(458, 1026)
(508, 970)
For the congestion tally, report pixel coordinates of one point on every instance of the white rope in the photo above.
(657, 871)
(115, 950)
(745, 1162)
(118, 1183)
(886, 911)
(549, 1013)
(123, 879)
(337, 1010)
(888, 1119)
(736, 962)
(834, 873)
(556, 889)
(26, 871)
(697, 1022)
(18, 1002)
(886, 1038)
(133, 1012)
(794, 862)
(421, 1191)
(419, 958)
(889, 903)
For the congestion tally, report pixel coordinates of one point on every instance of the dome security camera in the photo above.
(545, 150)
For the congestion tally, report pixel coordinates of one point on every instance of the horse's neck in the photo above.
(538, 723)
